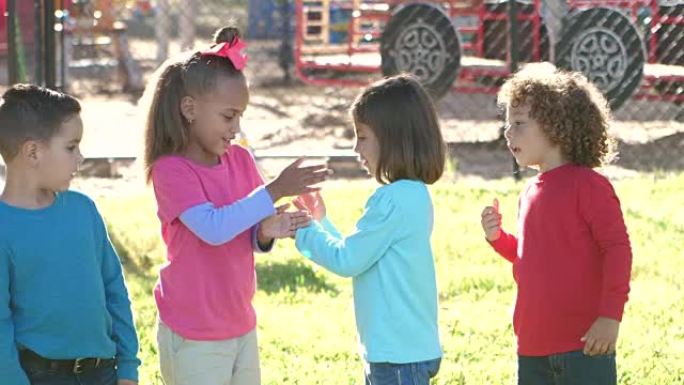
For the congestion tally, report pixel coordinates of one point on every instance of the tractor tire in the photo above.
(607, 48)
(421, 39)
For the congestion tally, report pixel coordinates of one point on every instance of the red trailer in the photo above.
(628, 48)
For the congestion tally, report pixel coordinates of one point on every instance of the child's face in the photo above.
(216, 119)
(367, 147)
(526, 140)
(61, 155)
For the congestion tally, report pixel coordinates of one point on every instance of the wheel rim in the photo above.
(421, 50)
(600, 54)
(604, 45)
(421, 39)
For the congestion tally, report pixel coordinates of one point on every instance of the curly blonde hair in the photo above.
(570, 110)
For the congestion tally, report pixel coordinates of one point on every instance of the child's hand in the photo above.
(491, 221)
(283, 224)
(126, 382)
(313, 203)
(295, 180)
(601, 337)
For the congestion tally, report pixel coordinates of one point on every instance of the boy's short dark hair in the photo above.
(403, 118)
(29, 112)
(570, 110)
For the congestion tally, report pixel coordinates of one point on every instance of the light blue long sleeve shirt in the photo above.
(390, 260)
(218, 225)
(62, 292)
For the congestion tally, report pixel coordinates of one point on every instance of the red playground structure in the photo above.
(630, 49)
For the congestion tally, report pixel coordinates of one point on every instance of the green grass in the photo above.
(305, 315)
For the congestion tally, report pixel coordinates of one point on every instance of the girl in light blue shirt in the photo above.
(389, 256)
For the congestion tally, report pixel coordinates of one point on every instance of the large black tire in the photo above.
(603, 44)
(421, 39)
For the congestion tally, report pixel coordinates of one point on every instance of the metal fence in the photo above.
(308, 58)
(463, 50)
(108, 45)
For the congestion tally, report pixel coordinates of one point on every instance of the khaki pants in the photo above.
(225, 362)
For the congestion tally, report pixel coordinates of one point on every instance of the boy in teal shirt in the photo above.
(65, 316)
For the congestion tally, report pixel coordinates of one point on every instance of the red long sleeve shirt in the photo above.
(571, 259)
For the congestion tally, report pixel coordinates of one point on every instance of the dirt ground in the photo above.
(287, 121)
(294, 119)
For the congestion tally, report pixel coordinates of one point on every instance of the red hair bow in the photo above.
(233, 51)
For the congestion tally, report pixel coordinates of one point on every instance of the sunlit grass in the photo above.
(306, 324)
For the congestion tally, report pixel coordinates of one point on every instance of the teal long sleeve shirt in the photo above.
(62, 292)
(390, 260)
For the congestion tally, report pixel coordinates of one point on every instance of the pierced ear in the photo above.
(187, 107)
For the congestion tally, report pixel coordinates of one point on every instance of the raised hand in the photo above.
(491, 221)
(296, 180)
(313, 203)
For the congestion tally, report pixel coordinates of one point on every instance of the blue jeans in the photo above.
(104, 375)
(573, 368)
(415, 373)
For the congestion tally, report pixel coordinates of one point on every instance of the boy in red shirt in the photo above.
(572, 257)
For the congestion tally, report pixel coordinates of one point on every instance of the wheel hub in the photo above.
(601, 56)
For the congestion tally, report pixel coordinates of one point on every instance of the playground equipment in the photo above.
(628, 49)
(78, 35)
(98, 40)
(22, 39)
(24, 13)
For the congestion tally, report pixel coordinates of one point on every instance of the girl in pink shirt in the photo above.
(215, 212)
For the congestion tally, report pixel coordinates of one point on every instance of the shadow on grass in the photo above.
(291, 276)
(138, 265)
(661, 154)
(492, 160)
